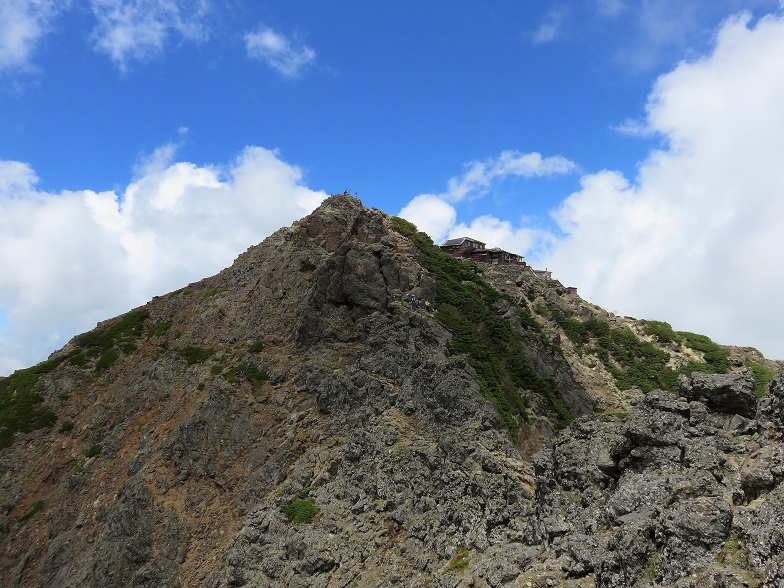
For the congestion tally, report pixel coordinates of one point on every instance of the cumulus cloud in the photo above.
(480, 175)
(695, 238)
(435, 214)
(77, 257)
(22, 25)
(288, 56)
(138, 30)
(430, 214)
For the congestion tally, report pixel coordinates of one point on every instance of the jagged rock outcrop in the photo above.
(292, 421)
(665, 495)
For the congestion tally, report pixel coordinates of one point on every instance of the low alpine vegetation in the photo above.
(465, 307)
(635, 362)
(301, 508)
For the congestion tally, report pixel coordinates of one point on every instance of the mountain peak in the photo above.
(298, 420)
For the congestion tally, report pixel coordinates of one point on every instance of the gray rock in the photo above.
(770, 410)
(724, 393)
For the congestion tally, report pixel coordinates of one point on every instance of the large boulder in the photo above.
(723, 393)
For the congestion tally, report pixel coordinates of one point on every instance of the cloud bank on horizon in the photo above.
(692, 239)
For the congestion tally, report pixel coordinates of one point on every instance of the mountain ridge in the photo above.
(298, 385)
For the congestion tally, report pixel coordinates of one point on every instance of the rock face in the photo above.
(666, 495)
(292, 421)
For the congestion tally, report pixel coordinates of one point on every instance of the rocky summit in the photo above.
(295, 421)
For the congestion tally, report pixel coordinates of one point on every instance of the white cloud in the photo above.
(551, 25)
(479, 176)
(74, 258)
(22, 25)
(288, 56)
(435, 215)
(431, 214)
(695, 239)
(138, 30)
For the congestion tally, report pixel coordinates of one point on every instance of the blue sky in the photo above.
(145, 144)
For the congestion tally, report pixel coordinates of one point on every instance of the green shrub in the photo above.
(660, 331)
(32, 510)
(128, 326)
(256, 347)
(79, 359)
(103, 342)
(301, 508)
(160, 329)
(634, 362)
(196, 354)
(107, 358)
(619, 414)
(66, 426)
(762, 376)
(715, 356)
(404, 227)
(211, 293)
(20, 410)
(128, 347)
(93, 450)
(249, 372)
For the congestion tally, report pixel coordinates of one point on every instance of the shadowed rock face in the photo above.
(723, 393)
(299, 379)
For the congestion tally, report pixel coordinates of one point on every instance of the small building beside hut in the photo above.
(475, 250)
